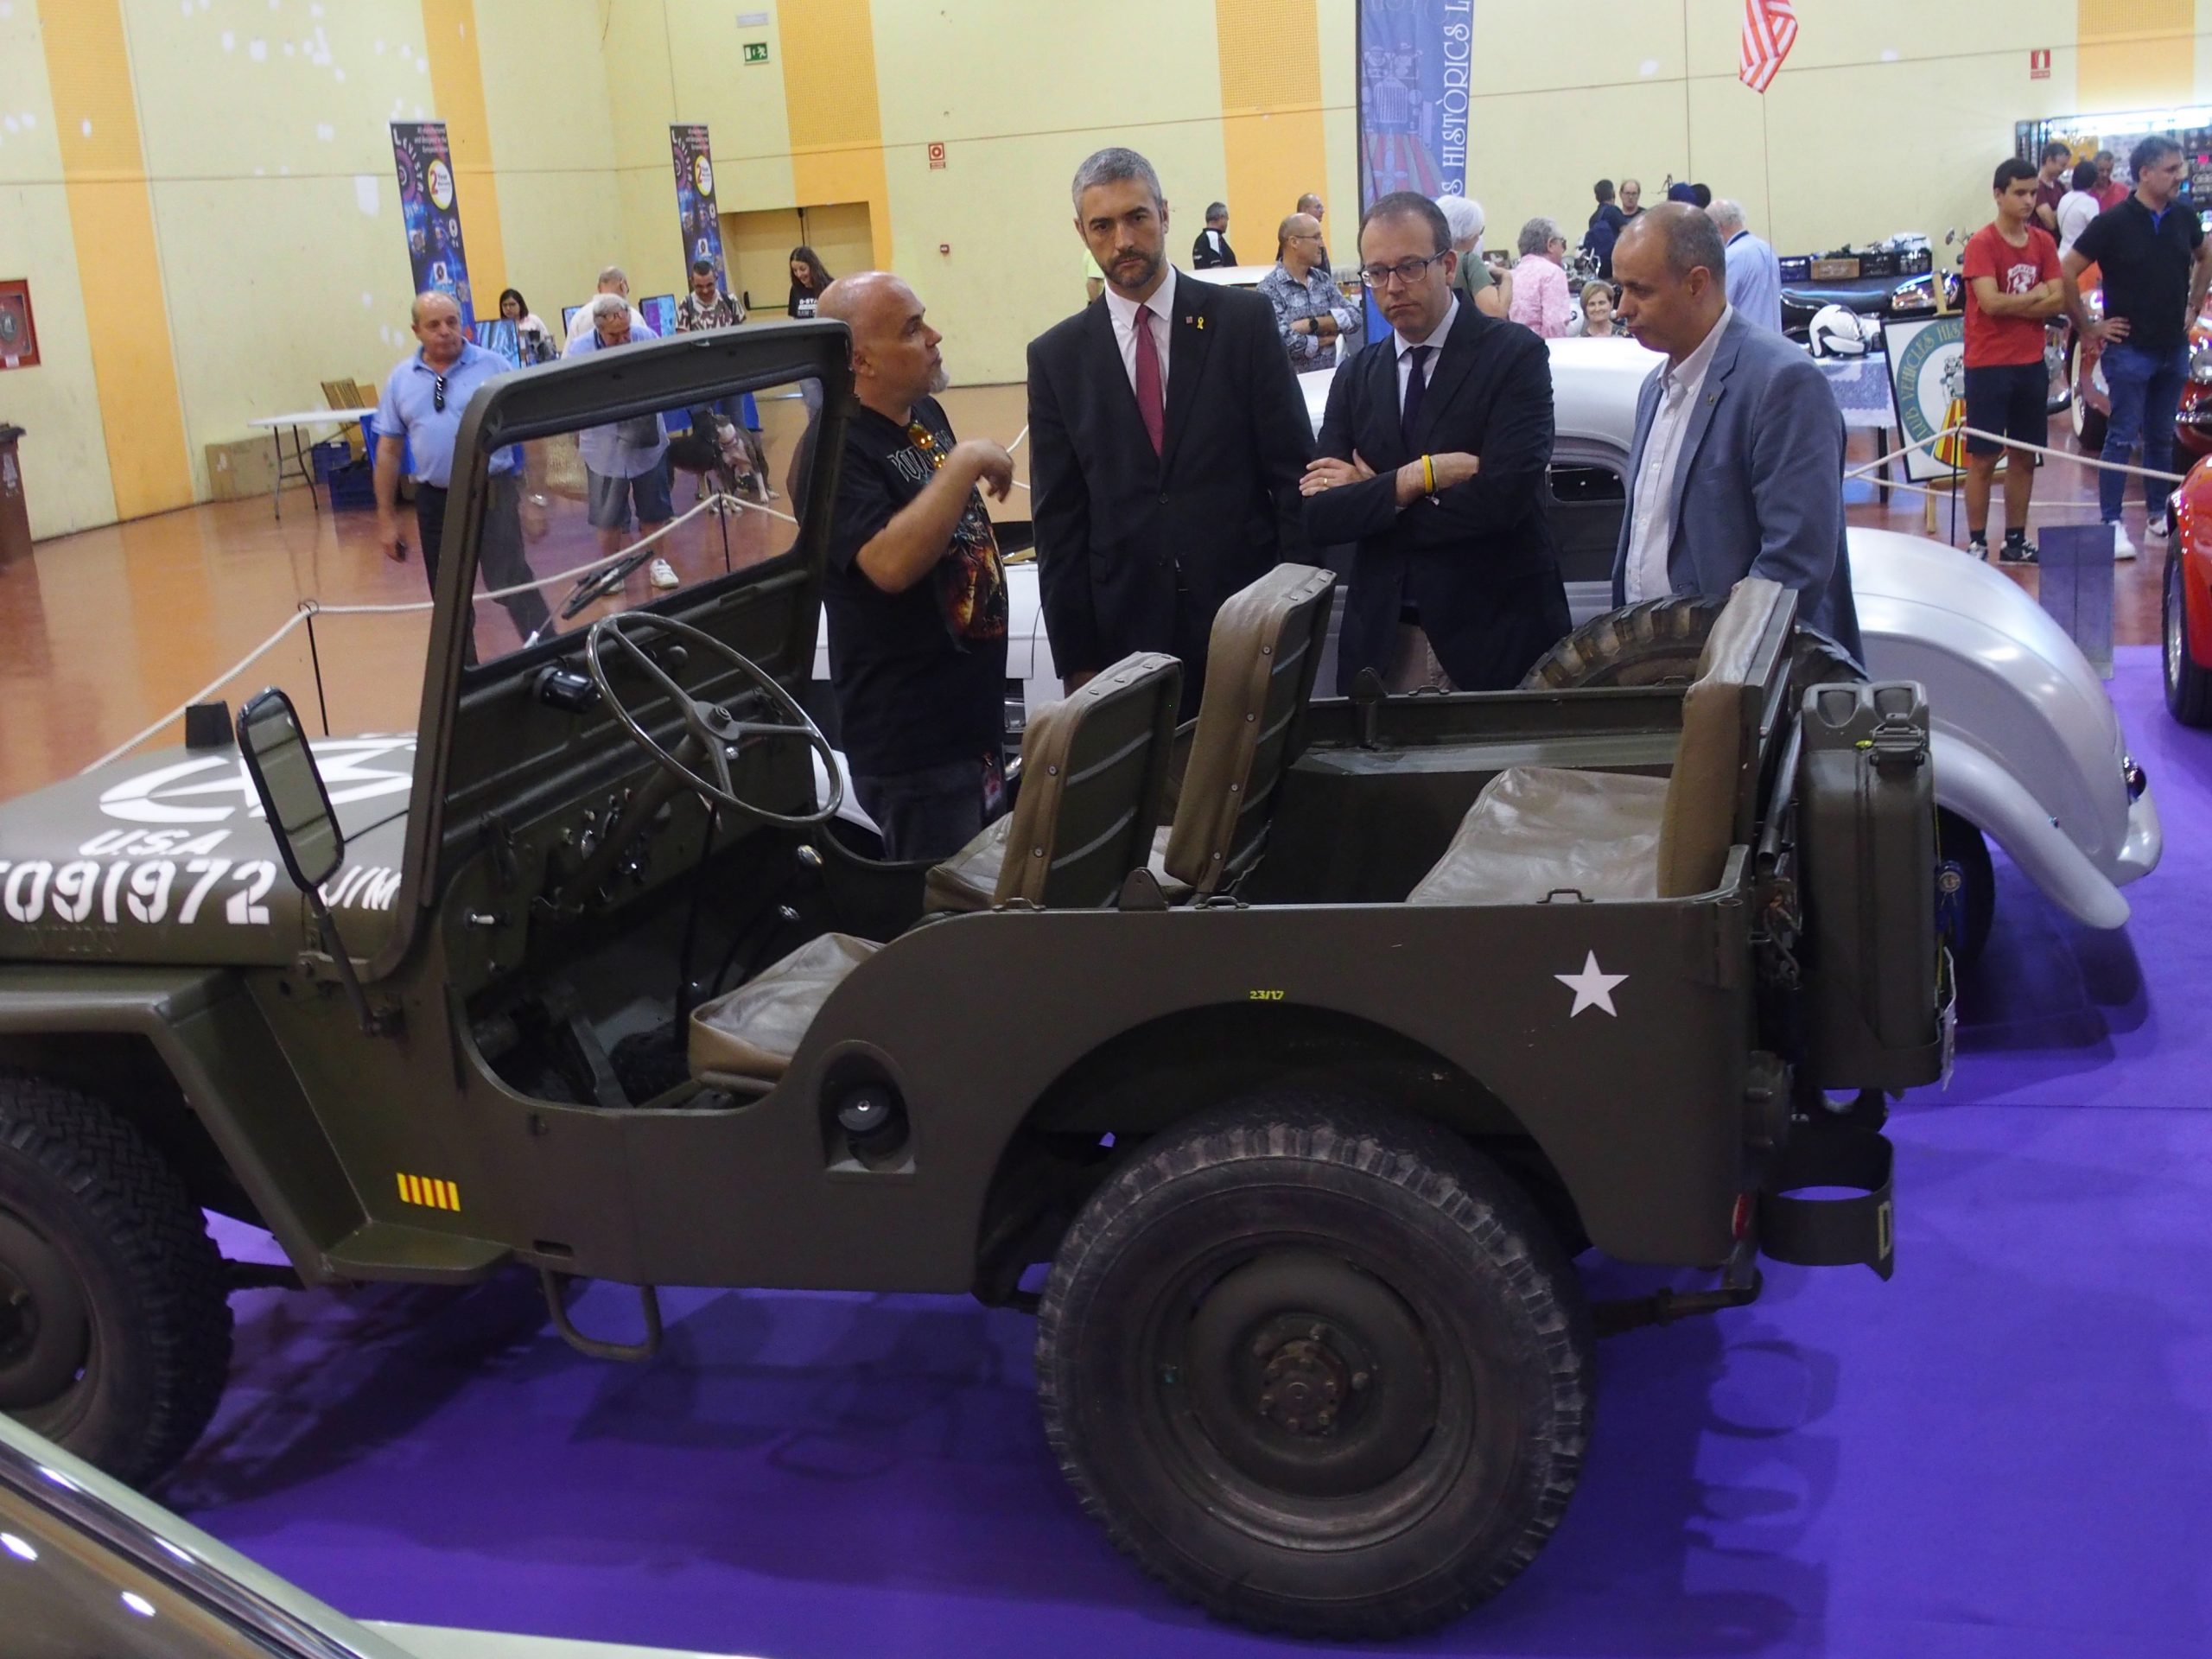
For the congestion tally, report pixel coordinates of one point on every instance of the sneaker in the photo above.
(663, 574)
(2155, 527)
(2121, 547)
(1978, 547)
(2016, 552)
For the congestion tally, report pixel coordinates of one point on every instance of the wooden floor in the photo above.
(102, 631)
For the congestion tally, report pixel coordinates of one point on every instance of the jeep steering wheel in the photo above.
(710, 730)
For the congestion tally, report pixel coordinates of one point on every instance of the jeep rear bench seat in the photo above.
(1537, 830)
(1094, 771)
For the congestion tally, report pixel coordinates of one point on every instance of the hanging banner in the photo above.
(694, 201)
(429, 208)
(1413, 96)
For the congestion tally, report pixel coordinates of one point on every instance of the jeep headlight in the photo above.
(2200, 364)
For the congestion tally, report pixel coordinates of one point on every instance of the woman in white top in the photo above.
(2078, 205)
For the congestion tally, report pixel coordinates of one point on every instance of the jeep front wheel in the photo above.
(1318, 1368)
(114, 1329)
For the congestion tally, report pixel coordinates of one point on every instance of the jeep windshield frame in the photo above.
(559, 398)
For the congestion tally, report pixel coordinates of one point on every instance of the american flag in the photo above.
(1769, 30)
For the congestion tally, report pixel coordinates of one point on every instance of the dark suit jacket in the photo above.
(1477, 561)
(1118, 525)
(1758, 483)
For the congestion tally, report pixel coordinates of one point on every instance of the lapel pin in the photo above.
(1195, 322)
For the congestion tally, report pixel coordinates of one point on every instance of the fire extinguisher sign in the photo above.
(2039, 64)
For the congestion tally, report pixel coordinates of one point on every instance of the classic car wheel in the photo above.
(1317, 1367)
(2189, 685)
(1966, 887)
(114, 1328)
(2089, 426)
(1658, 641)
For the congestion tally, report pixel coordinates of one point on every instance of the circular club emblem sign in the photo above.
(1931, 374)
(440, 183)
(703, 175)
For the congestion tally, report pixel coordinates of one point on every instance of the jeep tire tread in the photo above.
(1659, 640)
(1294, 1255)
(108, 1274)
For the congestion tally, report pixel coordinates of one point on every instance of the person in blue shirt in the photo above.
(626, 462)
(420, 414)
(1754, 275)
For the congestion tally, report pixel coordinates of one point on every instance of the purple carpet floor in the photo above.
(2007, 1451)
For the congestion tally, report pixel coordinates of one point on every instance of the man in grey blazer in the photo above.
(1736, 468)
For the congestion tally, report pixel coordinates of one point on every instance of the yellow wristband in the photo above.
(1428, 474)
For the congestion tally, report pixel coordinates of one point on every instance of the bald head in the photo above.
(894, 349)
(1727, 216)
(1670, 265)
(428, 301)
(1297, 243)
(1311, 204)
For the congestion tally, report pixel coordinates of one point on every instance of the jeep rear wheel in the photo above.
(1317, 1368)
(115, 1330)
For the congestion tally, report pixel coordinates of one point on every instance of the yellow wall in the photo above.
(268, 255)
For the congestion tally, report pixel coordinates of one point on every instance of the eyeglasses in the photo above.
(1408, 271)
(438, 394)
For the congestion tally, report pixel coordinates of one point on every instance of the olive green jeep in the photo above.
(1295, 1054)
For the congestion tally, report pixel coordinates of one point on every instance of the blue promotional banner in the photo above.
(429, 208)
(1413, 96)
(695, 200)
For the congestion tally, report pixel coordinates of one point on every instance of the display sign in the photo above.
(429, 209)
(2039, 64)
(694, 201)
(756, 51)
(1928, 386)
(18, 335)
(1414, 58)
(659, 312)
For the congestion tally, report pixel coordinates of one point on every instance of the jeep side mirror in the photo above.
(291, 789)
(301, 820)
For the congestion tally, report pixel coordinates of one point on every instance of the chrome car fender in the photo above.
(1981, 791)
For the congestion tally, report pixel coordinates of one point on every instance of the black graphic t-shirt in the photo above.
(920, 676)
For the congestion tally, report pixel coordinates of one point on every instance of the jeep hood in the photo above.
(165, 858)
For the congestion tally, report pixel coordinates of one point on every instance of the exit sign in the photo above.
(756, 51)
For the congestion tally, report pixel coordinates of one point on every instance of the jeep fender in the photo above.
(1986, 796)
(233, 1076)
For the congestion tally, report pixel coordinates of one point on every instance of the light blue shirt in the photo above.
(1754, 280)
(407, 412)
(603, 447)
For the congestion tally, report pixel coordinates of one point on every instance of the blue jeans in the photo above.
(928, 814)
(2146, 388)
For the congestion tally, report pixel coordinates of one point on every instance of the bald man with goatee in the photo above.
(914, 589)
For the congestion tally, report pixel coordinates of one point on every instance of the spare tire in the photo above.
(1658, 643)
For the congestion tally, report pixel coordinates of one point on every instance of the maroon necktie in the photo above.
(1149, 403)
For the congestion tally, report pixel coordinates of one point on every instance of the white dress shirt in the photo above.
(1651, 530)
(1435, 341)
(1123, 316)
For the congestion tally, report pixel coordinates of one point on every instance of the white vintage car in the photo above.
(2028, 751)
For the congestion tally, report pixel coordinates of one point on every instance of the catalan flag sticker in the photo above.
(430, 1194)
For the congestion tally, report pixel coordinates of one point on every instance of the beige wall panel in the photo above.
(65, 458)
(558, 237)
(1339, 120)
(742, 104)
(758, 246)
(1538, 152)
(277, 285)
(1519, 46)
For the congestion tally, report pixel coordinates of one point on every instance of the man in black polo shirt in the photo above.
(2151, 251)
(914, 590)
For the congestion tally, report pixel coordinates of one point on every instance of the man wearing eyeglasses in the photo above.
(420, 413)
(1311, 312)
(1166, 436)
(1433, 455)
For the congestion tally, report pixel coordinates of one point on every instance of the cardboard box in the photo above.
(1835, 270)
(237, 470)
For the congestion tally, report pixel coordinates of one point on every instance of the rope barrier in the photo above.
(1964, 430)
(311, 607)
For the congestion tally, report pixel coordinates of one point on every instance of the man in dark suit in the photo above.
(1165, 437)
(1737, 467)
(1212, 249)
(1431, 457)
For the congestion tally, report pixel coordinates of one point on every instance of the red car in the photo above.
(2186, 612)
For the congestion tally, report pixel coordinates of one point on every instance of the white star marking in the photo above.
(1592, 987)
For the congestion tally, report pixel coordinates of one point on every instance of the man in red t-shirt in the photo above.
(2013, 283)
(2110, 191)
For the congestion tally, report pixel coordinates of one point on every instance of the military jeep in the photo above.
(1281, 1063)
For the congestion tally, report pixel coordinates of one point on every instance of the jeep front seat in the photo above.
(1094, 769)
(1537, 830)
